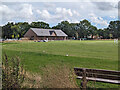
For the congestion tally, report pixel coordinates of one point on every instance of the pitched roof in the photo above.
(46, 32)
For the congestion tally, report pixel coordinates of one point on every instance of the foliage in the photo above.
(39, 25)
(114, 28)
(83, 29)
(17, 30)
(7, 32)
(12, 73)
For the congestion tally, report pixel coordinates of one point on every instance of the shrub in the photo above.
(12, 72)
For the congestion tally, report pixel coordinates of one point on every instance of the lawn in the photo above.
(86, 54)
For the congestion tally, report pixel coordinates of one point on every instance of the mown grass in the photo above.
(86, 54)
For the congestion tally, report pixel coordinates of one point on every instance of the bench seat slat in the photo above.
(97, 75)
(100, 71)
(100, 80)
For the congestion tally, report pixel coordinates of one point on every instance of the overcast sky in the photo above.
(98, 13)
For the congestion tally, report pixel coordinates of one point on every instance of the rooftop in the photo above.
(47, 32)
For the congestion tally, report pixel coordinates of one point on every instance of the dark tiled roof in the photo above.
(46, 32)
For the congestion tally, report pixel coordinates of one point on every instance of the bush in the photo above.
(12, 73)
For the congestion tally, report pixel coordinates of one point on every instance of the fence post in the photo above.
(84, 80)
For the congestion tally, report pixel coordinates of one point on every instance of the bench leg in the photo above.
(84, 80)
(84, 84)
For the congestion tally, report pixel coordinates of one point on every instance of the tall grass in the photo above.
(12, 72)
(58, 77)
(52, 77)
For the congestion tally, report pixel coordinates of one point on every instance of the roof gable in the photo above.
(52, 33)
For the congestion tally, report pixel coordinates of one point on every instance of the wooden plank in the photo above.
(104, 76)
(99, 71)
(101, 80)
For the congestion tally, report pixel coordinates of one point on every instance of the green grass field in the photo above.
(86, 54)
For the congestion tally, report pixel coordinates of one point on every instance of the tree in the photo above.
(111, 36)
(100, 32)
(106, 33)
(76, 35)
(19, 29)
(65, 26)
(85, 29)
(92, 30)
(39, 25)
(0, 32)
(114, 28)
(77, 30)
(6, 30)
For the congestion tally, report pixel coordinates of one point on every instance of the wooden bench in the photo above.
(106, 76)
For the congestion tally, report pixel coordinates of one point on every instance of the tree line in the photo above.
(83, 29)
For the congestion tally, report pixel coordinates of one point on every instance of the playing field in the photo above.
(86, 54)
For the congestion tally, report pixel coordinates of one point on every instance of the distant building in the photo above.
(45, 34)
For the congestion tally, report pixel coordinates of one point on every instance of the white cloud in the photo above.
(58, 14)
(60, 1)
(6, 12)
(98, 20)
(64, 11)
(58, 10)
(112, 17)
(55, 12)
(23, 12)
(44, 14)
(76, 13)
(74, 21)
(26, 11)
(66, 14)
(27, 8)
